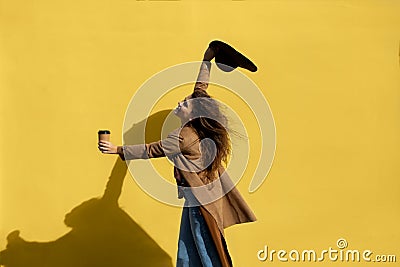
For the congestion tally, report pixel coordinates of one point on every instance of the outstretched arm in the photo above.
(129, 152)
(169, 146)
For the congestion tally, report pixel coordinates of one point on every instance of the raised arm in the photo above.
(205, 68)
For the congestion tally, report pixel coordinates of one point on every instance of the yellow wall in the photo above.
(329, 70)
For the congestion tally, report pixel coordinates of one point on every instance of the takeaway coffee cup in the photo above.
(104, 135)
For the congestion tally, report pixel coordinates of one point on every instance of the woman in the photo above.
(212, 203)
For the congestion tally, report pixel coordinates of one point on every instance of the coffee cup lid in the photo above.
(104, 132)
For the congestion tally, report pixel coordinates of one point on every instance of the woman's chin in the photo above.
(177, 113)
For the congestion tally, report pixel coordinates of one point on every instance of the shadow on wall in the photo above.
(102, 234)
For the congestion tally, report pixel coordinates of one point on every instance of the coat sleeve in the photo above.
(204, 76)
(172, 145)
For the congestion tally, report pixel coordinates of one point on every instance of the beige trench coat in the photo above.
(222, 199)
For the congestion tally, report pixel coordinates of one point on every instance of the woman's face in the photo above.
(184, 109)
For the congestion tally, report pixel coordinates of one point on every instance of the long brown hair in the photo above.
(210, 122)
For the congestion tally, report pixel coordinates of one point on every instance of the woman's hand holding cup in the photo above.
(105, 146)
